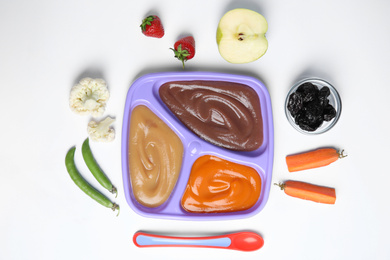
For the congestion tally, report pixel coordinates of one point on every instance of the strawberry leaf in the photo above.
(181, 54)
(147, 21)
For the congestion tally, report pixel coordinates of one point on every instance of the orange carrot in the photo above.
(313, 159)
(307, 191)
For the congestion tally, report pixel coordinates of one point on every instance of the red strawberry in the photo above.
(151, 26)
(184, 49)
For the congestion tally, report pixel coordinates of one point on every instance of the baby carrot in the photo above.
(84, 185)
(307, 191)
(313, 159)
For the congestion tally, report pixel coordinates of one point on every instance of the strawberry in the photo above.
(151, 26)
(184, 49)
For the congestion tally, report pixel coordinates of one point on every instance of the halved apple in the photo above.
(241, 36)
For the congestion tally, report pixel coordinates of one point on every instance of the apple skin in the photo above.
(241, 36)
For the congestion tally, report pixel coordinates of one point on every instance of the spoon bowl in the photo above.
(243, 241)
(246, 241)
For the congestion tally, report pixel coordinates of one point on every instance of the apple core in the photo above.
(241, 36)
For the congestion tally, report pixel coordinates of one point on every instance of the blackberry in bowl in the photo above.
(313, 106)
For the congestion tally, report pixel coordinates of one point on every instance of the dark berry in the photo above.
(309, 91)
(323, 96)
(329, 113)
(324, 92)
(306, 122)
(314, 111)
(295, 103)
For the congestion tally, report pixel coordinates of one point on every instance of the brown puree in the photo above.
(155, 157)
(225, 114)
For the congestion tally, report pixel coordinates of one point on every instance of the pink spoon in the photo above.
(244, 241)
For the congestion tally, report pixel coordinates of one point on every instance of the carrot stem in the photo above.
(342, 155)
(281, 185)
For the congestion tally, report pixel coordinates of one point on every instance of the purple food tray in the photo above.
(145, 91)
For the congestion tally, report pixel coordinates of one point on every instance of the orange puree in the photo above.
(217, 185)
(155, 157)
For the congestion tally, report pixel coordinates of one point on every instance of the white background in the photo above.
(47, 46)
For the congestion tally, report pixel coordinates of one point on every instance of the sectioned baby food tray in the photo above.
(145, 91)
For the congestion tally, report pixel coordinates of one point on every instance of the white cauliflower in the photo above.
(89, 96)
(101, 131)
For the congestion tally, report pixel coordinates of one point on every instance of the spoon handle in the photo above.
(141, 239)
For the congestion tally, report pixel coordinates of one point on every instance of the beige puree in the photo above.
(155, 157)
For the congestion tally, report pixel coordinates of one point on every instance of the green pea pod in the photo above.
(84, 185)
(95, 169)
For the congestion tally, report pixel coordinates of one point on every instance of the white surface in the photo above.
(46, 46)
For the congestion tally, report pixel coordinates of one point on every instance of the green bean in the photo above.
(84, 185)
(95, 169)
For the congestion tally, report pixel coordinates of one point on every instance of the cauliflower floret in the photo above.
(89, 96)
(101, 131)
